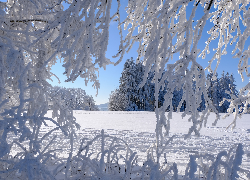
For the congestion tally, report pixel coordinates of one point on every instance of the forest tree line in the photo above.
(130, 96)
(74, 98)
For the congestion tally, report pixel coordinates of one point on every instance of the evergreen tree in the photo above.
(147, 91)
(117, 101)
(227, 88)
(221, 89)
(177, 96)
(130, 96)
(214, 92)
(202, 104)
(128, 85)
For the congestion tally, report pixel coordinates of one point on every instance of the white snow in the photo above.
(138, 130)
(141, 121)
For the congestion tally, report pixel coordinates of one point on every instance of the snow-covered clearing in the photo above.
(137, 129)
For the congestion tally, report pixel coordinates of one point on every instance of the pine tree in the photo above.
(130, 96)
(146, 93)
(221, 89)
(227, 88)
(213, 90)
(177, 96)
(117, 101)
(127, 85)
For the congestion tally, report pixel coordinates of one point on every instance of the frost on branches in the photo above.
(34, 34)
(163, 29)
(74, 98)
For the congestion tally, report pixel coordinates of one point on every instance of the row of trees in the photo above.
(34, 34)
(74, 98)
(130, 96)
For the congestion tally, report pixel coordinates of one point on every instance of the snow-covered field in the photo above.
(138, 130)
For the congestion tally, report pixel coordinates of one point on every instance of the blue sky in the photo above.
(109, 78)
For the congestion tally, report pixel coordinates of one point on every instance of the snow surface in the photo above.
(138, 130)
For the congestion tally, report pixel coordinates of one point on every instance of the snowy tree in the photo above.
(177, 96)
(128, 86)
(90, 104)
(220, 90)
(148, 91)
(126, 94)
(159, 23)
(213, 89)
(143, 97)
(227, 89)
(117, 101)
(34, 34)
(130, 96)
(74, 98)
(145, 93)
(40, 32)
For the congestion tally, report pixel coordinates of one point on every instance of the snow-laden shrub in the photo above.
(103, 157)
(225, 165)
(108, 157)
(74, 98)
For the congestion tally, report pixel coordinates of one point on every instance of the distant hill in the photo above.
(103, 107)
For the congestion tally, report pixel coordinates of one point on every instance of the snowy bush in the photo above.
(107, 157)
(74, 98)
(34, 34)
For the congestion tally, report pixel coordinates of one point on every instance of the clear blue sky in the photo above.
(109, 78)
